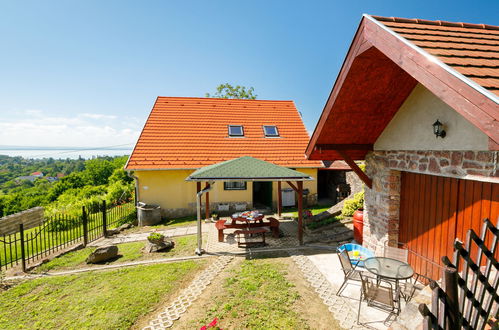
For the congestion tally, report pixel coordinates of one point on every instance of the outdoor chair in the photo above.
(396, 253)
(380, 294)
(407, 287)
(349, 270)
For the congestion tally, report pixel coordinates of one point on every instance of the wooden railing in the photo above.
(468, 296)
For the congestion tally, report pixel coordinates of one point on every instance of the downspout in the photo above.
(136, 180)
(199, 250)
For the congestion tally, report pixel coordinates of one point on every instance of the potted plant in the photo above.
(156, 238)
(214, 216)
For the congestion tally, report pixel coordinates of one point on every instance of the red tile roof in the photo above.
(187, 132)
(470, 49)
(388, 57)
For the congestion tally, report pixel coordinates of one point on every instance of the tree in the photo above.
(227, 91)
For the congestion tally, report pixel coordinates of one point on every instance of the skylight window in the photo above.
(236, 130)
(270, 131)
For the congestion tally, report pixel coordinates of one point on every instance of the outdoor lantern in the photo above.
(438, 129)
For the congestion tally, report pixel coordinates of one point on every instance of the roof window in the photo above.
(236, 130)
(270, 131)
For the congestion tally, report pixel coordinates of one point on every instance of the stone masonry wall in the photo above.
(382, 202)
(30, 218)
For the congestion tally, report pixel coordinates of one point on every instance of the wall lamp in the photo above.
(438, 129)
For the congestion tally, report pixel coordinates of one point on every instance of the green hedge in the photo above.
(351, 205)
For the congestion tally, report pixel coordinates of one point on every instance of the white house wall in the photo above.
(411, 127)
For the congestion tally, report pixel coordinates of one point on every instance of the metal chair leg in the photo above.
(342, 286)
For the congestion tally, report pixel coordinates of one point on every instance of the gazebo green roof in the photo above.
(246, 169)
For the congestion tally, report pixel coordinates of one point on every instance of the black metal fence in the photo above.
(60, 232)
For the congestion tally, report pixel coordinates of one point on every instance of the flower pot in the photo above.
(358, 225)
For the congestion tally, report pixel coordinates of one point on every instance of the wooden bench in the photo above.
(272, 223)
(248, 233)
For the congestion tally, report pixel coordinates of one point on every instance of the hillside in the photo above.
(80, 182)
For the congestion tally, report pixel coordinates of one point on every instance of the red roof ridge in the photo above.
(430, 22)
(221, 99)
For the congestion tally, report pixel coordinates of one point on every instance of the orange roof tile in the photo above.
(187, 132)
(470, 49)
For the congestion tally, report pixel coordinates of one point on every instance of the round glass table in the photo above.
(389, 268)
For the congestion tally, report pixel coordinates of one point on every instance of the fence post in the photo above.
(449, 282)
(85, 225)
(23, 252)
(104, 218)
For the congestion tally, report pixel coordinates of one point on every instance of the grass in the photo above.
(316, 209)
(256, 296)
(184, 246)
(324, 222)
(95, 300)
(43, 239)
(168, 224)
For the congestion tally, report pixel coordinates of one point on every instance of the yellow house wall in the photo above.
(310, 185)
(177, 197)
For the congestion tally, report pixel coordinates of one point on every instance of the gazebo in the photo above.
(247, 169)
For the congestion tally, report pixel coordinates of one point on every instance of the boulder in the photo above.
(158, 246)
(102, 254)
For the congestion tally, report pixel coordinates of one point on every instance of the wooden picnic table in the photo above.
(245, 223)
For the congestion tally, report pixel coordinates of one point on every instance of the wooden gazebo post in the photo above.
(279, 199)
(300, 211)
(299, 190)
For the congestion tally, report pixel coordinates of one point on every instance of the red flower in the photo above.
(213, 323)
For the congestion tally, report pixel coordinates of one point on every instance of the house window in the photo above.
(236, 130)
(235, 185)
(270, 131)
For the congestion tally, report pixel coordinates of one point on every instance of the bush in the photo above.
(62, 224)
(351, 205)
(155, 237)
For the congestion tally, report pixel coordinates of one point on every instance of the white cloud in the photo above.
(39, 128)
(96, 116)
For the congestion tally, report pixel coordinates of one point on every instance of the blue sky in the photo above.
(86, 73)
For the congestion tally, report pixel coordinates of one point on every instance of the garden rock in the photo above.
(102, 254)
(158, 246)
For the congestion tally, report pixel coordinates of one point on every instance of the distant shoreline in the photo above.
(63, 152)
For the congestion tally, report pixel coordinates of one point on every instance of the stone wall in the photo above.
(382, 202)
(29, 218)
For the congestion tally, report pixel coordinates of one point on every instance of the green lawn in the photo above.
(256, 296)
(316, 209)
(168, 224)
(37, 241)
(184, 246)
(95, 300)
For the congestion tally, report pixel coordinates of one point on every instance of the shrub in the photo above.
(155, 237)
(351, 205)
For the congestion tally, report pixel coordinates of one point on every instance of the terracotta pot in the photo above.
(358, 225)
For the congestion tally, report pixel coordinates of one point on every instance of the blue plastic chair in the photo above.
(358, 260)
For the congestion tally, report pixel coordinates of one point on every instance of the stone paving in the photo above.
(229, 245)
(341, 310)
(165, 318)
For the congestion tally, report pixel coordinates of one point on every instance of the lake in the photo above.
(63, 152)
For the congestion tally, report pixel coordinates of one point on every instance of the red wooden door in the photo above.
(435, 210)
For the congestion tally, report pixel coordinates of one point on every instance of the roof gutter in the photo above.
(136, 180)
(437, 61)
(308, 178)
